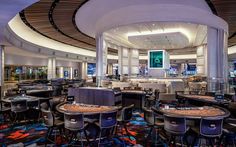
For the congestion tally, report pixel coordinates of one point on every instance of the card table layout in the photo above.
(202, 98)
(84, 108)
(134, 91)
(196, 112)
(21, 97)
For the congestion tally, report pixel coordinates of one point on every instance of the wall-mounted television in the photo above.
(156, 59)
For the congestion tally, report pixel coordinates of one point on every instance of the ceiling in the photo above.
(158, 35)
(56, 20)
(226, 10)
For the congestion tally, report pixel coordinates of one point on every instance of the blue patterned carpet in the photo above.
(34, 134)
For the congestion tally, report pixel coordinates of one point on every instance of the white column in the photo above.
(2, 62)
(133, 62)
(123, 62)
(202, 60)
(101, 59)
(51, 68)
(216, 59)
(84, 66)
(71, 73)
(110, 69)
(61, 72)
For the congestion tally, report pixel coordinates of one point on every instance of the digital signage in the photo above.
(156, 59)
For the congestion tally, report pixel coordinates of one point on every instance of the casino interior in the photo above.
(140, 73)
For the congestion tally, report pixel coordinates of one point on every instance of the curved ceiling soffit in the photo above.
(56, 9)
(8, 9)
(164, 12)
(34, 48)
(21, 33)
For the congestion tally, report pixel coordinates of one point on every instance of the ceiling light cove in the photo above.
(159, 35)
(163, 32)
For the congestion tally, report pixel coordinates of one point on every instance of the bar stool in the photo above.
(107, 122)
(176, 126)
(74, 122)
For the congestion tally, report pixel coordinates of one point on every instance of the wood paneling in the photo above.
(55, 20)
(226, 9)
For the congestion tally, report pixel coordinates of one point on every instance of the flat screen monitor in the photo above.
(156, 59)
(219, 97)
(70, 99)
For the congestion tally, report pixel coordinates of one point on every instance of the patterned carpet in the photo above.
(33, 135)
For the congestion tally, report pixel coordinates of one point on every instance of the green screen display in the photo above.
(156, 59)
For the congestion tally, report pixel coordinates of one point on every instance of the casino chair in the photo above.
(127, 88)
(154, 120)
(137, 88)
(53, 104)
(4, 111)
(149, 93)
(153, 100)
(229, 132)
(210, 129)
(107, 124)
(51, 123)
(34, 110)
(176, 127)
(210, 93)
(19, 109)
(181, 100)
(125, 117)
(74, 122)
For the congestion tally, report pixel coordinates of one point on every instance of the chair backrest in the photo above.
(19, 106)
(137, 88)
(127, 113)
(48, 117)
(177, 93)
(44, 106)
(194, 92)
(33, 104)
(53, 103)
(149, 116)
(157, 94)
(175, 125)
(108, 119)
(210, 93)
(127, 88)
(149, 91)
(232, 108)
(74, 121)
(211, 127)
